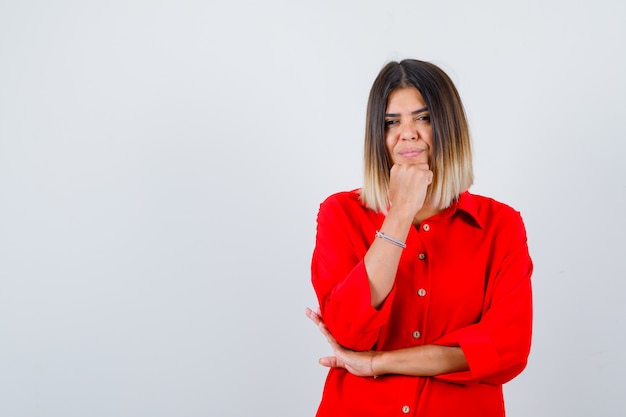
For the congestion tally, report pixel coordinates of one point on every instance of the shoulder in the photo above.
(345, 206)
(343, 200)
(491, 213)
(489, 204)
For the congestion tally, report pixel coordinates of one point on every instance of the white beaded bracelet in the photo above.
(390, 239)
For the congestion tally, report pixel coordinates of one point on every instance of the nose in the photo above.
(408, 132)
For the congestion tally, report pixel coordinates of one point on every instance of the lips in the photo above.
(411, 153)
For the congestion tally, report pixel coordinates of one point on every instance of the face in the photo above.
(408, 133)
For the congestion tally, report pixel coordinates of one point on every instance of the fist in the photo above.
(408, 185)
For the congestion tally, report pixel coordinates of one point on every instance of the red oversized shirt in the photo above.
(463, 280)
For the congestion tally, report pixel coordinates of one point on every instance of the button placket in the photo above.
(422, 281)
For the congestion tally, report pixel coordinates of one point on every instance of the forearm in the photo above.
(383, 257)
(427, 360)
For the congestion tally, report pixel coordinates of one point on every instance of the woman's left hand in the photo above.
(357, 363)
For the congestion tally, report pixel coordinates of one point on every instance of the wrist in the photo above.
(390, 239)
(372, 371)
(403, 213)
(378, 362)
(397, 224)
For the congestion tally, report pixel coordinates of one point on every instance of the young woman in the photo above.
(424, 288)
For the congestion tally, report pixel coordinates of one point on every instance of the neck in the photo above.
(425, 212)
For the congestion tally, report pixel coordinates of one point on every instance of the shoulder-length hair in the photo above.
(451, 154)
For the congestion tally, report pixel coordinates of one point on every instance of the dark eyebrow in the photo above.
(418, 111)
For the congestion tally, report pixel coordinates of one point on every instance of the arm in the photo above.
(407, 190)
(494, 350)
(497, 347)
(354, 277)
(382, 259)
(427, 360)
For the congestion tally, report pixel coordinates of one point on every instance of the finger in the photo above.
(336, 347)
(338, 350)
(313, 316)
(327, 333)
(330, 362)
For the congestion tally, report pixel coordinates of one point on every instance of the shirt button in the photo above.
(421, 256)
(417, 334)
(426, 227)
(421, 292)
(406, 409)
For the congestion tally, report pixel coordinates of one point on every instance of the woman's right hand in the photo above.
(408, 185)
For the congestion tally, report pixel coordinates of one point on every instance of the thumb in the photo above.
(330, 362)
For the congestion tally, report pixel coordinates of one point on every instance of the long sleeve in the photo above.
(345, 230)
(463, 280)
(497, 347)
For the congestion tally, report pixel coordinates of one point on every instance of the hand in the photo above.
(408, 185)
(357, 363)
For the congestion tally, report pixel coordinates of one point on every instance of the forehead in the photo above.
(406, 98)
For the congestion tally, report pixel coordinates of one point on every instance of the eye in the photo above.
(423, 118)
(390, 123)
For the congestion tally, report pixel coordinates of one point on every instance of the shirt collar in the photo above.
(467, 204)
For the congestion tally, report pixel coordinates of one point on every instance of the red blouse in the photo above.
(463, 280)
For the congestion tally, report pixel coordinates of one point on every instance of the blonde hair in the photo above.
(451, 160)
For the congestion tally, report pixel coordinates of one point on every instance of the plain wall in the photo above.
(162, 163)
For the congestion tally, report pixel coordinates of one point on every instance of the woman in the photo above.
(424, 289)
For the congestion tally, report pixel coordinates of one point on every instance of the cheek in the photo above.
(428, 135)
(389, 144)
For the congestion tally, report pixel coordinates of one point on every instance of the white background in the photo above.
(162, 163)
